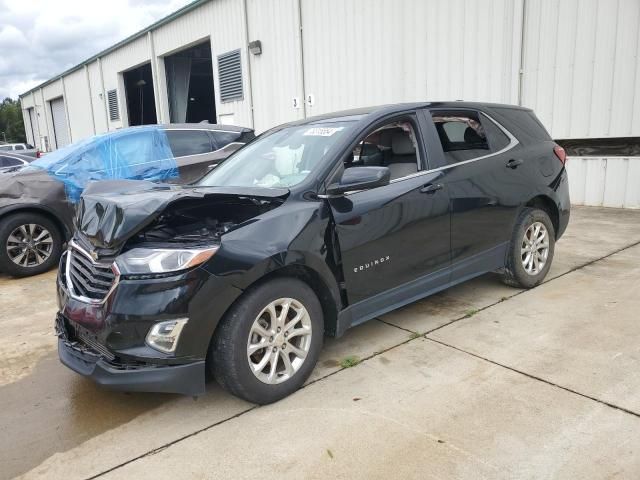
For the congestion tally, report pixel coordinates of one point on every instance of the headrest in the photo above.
(401, 144)
(369, 149)
(471, 136)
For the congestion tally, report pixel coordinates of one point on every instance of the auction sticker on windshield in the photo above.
(322, 131)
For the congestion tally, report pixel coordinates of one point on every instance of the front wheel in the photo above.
(29, 244)
(531, 249)
(269, 341)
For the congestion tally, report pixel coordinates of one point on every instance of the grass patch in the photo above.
(350, 361)
(330, 453)
(415, 335)
(470, 313)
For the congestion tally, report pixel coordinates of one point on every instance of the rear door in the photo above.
(394, 239)
(486, 184)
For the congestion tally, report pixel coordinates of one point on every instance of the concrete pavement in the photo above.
(505, 384)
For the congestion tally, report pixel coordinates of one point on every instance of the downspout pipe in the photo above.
(247, 54)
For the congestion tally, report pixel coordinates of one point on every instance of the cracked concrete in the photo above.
(531, 384)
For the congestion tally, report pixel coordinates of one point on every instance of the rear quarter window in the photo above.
(222, 139)
(9, 161)
(523, 124)
(495, 136)
(189, 142)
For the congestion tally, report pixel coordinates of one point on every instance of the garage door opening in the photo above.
(190, 85)
(141, 105)
(59, 117)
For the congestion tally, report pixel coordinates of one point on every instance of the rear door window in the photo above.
(184, 143)
(19, 147)
(465, 135)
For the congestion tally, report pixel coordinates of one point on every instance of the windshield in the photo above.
(281, 159)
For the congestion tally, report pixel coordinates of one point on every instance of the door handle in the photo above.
(431, 188)
(212, 166)
(514, 162)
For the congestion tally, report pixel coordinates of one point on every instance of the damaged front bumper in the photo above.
(187, 379)
(106, 340)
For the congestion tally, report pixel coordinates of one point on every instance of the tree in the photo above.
(11, 121)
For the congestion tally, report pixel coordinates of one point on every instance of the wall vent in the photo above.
(230, 76)
(114, 110)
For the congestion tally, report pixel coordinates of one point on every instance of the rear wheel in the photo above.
(531, 249)
(268, 343)
(29, 244)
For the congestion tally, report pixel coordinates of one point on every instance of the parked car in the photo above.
(21, 148)
(37, 202)
(10, 147)
(13, 161)
(316, 226)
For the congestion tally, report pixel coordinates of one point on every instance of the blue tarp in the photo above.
(140, 153)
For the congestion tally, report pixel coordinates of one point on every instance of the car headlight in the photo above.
(145, 261)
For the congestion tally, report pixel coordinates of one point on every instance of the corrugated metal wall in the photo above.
(276, 74)
(78, 104)
(605, 182)
(581, 66)
(364, 52)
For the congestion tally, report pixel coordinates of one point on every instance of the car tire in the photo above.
(39, 256)
(531, 249)
(234, 358)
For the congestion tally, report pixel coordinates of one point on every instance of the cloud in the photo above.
(40, 39)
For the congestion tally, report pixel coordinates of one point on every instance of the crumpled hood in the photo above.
(112, 211)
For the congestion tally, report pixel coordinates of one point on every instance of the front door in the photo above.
(394, 239)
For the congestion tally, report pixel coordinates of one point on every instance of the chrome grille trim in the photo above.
(87, 280)
(82, 337)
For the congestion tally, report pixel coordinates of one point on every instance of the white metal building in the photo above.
(263, 62)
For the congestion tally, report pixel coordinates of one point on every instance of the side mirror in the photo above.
(360, 178)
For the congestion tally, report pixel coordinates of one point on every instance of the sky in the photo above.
(42, 38)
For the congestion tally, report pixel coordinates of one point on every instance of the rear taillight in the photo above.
(38, 154)
(560, 153)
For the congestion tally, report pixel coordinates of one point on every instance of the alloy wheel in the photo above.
(279, 341)
(29, 245)
(535, 248)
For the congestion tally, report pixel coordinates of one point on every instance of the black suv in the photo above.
(37, 201)
(315, 227)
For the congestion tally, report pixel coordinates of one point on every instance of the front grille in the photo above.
(88, 279)
(83, 336)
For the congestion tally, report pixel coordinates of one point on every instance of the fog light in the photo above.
(164, 336)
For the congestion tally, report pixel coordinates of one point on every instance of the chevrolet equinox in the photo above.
(316, 226)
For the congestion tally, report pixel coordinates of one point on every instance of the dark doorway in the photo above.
(141, 105)
(190, 85)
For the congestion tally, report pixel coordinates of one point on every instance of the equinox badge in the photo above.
(370, 264)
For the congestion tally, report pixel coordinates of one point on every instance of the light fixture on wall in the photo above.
(255, 47)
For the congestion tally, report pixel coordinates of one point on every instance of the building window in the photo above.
(230, 76)
(114, 109)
